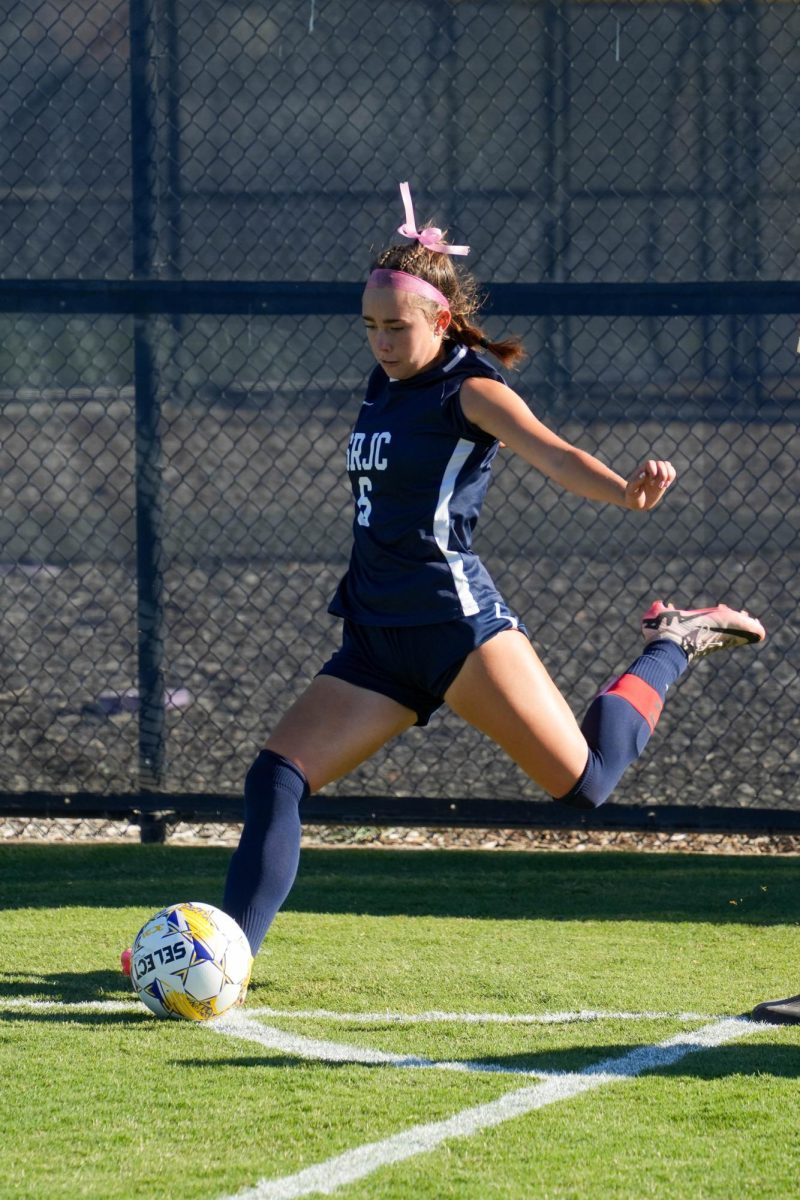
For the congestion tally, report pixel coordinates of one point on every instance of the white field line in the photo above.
(434, 1017)
(243, 1026)
(388, 1018)
(327, 1177)
(98, 1006)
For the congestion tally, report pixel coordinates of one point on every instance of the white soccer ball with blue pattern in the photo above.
(191, 961)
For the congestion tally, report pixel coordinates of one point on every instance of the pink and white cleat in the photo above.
(125, 961)
(700, 631)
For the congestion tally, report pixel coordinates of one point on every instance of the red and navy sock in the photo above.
(619, 722)
(264, 865)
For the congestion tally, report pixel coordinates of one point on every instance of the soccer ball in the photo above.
(192, 961)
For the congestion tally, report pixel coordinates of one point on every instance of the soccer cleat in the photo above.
(778, 1012)
(700, 631)
(125, 961)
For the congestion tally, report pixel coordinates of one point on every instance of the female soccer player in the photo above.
(424, 624)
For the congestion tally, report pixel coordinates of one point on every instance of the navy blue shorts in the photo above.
(414, 664)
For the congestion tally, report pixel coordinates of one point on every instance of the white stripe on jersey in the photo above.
(441, 527)
(457, 357)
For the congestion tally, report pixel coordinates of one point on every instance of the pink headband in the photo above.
(401, 281)
(430, 238)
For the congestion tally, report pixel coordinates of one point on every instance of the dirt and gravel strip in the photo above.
(403, 838)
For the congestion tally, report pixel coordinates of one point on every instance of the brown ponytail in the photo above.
(461, 291)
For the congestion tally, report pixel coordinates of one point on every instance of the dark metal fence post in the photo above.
(751, 149)
(170, 187)
(556, 349)
(149, 532)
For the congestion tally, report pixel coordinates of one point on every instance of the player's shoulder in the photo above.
(471, 371)
(467, 363)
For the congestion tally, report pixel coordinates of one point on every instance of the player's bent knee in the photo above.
(578, 799)
(591, 790)
(268, 770)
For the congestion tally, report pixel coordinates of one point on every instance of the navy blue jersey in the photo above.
(419, 472)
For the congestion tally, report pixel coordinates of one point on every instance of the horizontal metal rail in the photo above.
(156, 813)
(142, 297)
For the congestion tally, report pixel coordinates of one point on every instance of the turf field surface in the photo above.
(420, 1024)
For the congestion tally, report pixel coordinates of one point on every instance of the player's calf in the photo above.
(621, 719)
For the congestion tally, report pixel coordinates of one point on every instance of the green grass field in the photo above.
(420, 1025)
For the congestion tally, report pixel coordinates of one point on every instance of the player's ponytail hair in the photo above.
(462, 294)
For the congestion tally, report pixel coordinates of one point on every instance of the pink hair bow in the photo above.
(430, 238)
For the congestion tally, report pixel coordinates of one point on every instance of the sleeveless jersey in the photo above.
(419, 473)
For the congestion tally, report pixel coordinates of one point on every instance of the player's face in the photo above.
(402, 335)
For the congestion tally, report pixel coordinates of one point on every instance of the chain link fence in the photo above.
(579, 145)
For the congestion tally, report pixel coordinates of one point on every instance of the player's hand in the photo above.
(647, 485)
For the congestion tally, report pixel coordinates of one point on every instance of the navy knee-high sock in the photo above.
(264, 865)
(619, 722)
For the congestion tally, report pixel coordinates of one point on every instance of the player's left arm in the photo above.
(499, 411)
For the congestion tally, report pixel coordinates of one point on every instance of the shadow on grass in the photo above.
(752, 1059)
(606, 886)
(89, 1019)
(85, 987)
(762, 1059)
(67, 987)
